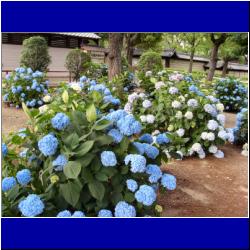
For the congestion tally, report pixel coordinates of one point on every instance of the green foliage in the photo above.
(35, 54)
(150, 61)
(77, 62)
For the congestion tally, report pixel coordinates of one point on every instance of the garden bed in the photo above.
(209, 187)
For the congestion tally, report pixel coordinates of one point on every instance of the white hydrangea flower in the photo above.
(192, 103)
(223, 135)
(170, 127)
(212, 149)
(43, 109)
(178, 115)
(173, 90)
(212, 125)
(146, 104)
(150, 119)
(128, 107)
(220, 107)
(180, 132)
(148, 73)
(47, 98)
(114, 88)
(132, 97)
(189, 115)
(210, 136)
(182, 98)
(230, 136)
(160, 84)
(176, 104)
(204, 135)
(196, 147)
(143, 118)
(75, 86)
(202, 155)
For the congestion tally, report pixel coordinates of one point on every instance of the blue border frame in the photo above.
(154, 233)
(125, 17)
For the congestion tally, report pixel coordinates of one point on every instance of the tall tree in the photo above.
(114, 55)
(140, 40)
(217, 40)
(229, 51)
(192, 40)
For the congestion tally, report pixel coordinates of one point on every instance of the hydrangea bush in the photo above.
(241, 128)
(25, 86)
(232, 93)
(181, 118)
(77, 160)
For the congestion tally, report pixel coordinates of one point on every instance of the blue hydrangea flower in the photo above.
(6, 97)
(4, 149)
(105, 213)
(78, 214)
(65, 213)
(162, 139)
(60, 121)
(114, 116)
(116, 135)
(8, 183)
(60, 162)
(123, 209)
(23, 177)
(48, 145)
(155, 173)
(138, 163)
(212, 125)
(108, 159)
(168, 181)
(83, 78)
(146, 138)
(145, 195)
(192, 103)
(129, 126)
(140, 147)
(151, 151)
(13, 90)
(131, 185)
(31, 206)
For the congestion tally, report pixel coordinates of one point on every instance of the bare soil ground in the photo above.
(205, 188)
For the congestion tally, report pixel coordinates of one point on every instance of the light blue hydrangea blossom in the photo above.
(105, 213)
(131, 185)
(48, 145)
(60, 162)
(23, 177)
(145, 195)
(8, 183)
(123, 209)
(108, 159)
(60, 121)
(168, 181)
(138, 163)
(31, 206)
(154, 173)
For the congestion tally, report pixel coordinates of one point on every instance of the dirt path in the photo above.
(210, 187)
(12, 120)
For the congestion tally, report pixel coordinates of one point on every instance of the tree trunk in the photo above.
(190, 69)
(213, 61)
(114, 55)
(224, 70)
(214, 54)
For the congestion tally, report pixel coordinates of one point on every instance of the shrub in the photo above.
(35, 54)
(24, 85)
(97, 71)
(150, 61)
(231, 93)
(241, 128)
(183, 120)
(81, 161)
(77, 62)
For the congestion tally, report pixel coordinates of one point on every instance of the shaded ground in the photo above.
(210, 187)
